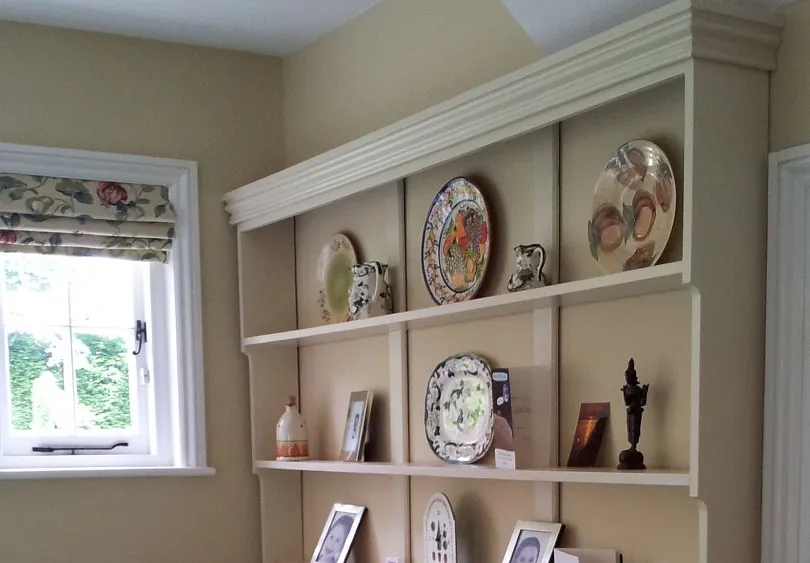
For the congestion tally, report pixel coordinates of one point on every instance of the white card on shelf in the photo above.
(587, 556)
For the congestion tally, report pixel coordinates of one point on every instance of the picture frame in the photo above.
(338, 534)
(357, 421)
(532, 542)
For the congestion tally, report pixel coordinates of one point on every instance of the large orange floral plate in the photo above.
(633, 208)
(456, 242)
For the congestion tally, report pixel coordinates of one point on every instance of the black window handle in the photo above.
(74, 449)
(140, 336)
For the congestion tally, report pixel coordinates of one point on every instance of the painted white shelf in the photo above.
(657, 279)
(600, 475)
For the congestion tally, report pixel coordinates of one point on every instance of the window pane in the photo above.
(101, 293)
(37, 366)
(36, 289)
(104, 369)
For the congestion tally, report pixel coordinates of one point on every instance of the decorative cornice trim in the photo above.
(636, 55)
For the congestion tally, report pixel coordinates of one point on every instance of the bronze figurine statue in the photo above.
(635, 399)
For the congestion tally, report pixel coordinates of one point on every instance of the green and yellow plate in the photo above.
(335, 277)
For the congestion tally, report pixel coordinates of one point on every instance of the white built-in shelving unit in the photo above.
(722, 57)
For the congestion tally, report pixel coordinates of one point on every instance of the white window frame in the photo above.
(786, 456)
(153, 404)
(181, 340)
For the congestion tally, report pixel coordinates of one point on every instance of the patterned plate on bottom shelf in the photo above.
(459, 418)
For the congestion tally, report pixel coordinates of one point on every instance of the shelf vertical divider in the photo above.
(398, 415)
(545, 322)
(398, 389)
(398, 382)
(726, 268)
(397, 238)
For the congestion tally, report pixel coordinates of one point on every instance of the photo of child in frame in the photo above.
(532, 542)
(338, 534)
(335, 539)
(530, 546)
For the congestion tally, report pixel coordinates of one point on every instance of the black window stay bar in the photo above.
(74, 449)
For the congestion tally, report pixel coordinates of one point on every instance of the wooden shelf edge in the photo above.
(656, 279)
(597, 475)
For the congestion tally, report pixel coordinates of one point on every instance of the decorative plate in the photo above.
(633, 208)
(334, 273)
(459, 419)
(455, 242)
(439, 529)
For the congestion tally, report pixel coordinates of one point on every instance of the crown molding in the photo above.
(650, 50)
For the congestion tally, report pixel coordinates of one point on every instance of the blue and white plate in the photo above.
(459, 418)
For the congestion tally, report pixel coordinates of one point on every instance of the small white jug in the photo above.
(370, 294)
(529, 269)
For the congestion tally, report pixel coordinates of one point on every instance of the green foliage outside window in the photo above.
(102, 385)
(101, 368)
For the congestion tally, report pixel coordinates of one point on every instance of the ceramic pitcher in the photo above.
(370, 293)
(529, 271)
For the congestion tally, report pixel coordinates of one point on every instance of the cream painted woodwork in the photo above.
(605, 475)
(661, 278)
(786, 471)
(691, 77)
(646, 524)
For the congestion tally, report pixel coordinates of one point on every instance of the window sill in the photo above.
(104, 472)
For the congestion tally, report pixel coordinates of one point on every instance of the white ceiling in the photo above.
(279, 27)
(274, 27)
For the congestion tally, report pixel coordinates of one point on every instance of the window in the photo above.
(100, 359)
(68, 368)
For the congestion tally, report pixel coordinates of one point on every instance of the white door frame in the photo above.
(786, 455)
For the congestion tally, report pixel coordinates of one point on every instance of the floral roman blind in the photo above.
(85, 218)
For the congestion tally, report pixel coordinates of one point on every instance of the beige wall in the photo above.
(86, 91)
(400, 57)
(790, 104)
